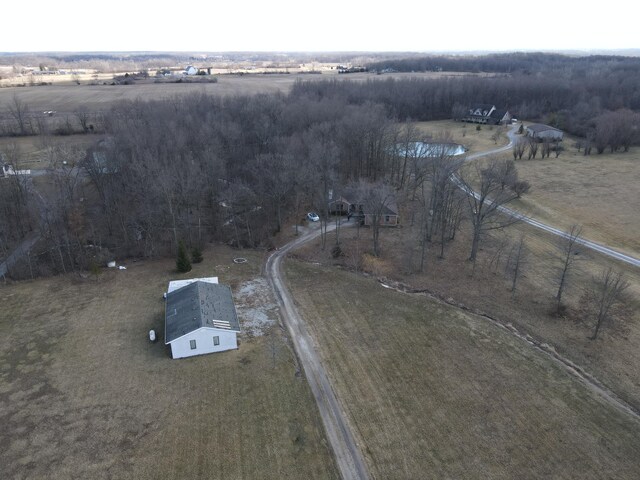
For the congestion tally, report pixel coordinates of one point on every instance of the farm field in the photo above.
(600, 192)
(84, 395)
(32, 150)
(430, 388)
(68, 98)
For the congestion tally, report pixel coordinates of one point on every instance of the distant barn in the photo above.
(544, 132)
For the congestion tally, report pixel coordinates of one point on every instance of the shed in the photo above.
(544, 132)
(200, 317)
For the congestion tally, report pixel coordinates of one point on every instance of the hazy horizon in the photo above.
(284, 26)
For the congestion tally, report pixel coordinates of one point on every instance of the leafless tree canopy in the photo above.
(603, 297)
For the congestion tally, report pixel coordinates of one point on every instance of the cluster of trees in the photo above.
(20, 120)
(516, 62)
(569, 101)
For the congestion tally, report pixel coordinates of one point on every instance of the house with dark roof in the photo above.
(487, 114)
(200, 317)
(544, 132)
(351, 205)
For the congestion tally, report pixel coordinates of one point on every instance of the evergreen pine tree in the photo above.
(182, 262)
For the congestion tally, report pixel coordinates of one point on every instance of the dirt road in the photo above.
(346, 452)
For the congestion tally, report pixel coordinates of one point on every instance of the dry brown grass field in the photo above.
(84, 395)
(33, 149)
(600, 192)
(68, 98)
(613, 358)
(434, 392)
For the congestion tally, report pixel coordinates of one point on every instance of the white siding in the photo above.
(181, 347)
(177, 284)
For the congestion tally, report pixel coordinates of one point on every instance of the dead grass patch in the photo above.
(613, 358)
(84, 395)
(600, 192)
(431, 389)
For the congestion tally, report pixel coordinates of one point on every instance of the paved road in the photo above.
(346, 452)
(605, 250)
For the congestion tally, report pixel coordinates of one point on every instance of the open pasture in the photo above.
(433, 391)
(83, 394)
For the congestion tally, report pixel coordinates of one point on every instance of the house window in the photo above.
(193, 344)
(216, 340)
(386, 218)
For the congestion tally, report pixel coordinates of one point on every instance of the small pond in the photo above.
(427, 150)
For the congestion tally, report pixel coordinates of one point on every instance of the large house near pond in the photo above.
(200, 317)
(486, 114)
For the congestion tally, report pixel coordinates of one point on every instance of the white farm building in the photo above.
(200, 317)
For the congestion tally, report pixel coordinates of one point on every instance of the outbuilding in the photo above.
(200, 318)
(544, 132)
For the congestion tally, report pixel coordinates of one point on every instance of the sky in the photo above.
(330, 25)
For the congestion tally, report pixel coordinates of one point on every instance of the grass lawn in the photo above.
(84, 395)
(466, 134)
(600, 192)
(436, 393)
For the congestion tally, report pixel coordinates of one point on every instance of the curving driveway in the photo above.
(603, 249)
(346, 452)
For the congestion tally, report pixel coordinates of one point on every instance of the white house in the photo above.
(190, 70)
(487, 114)
(200, 317)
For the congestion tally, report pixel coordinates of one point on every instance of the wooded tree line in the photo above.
(515, 62)
(198, 168)
(569, 102)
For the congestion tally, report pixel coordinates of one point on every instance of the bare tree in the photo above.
(83, 116)
(569, 248)
(604, 295)
(516, 262)
(546, 148)
(485, 202)
(376, 198)
(20, 111)
(533, 148)
(519, 147)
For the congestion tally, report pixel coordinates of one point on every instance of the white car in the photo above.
(313, 217)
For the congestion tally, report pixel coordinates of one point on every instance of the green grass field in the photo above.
(84, 395)
(436, 393)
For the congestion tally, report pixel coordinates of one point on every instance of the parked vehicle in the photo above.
(313, 217)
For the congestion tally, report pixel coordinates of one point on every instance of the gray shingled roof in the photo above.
(538, 127)
(197, 305)
(499, 114)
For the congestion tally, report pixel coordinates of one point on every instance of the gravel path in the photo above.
(346, 452)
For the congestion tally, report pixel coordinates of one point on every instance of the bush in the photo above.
(183, 264)
(196, 255)
(478, 128)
